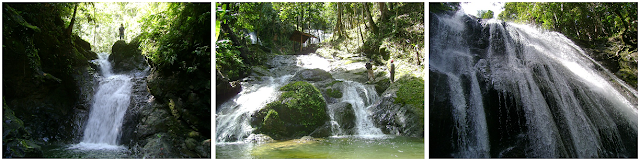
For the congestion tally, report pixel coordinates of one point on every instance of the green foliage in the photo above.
(485, 14)
(589, 24)
(219, 13)
(411, 92)
(439, 7)
(583, 21)
(175, 40)
(228, 60)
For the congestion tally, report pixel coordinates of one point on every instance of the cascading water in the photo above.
(111, 101)
(507, 90)
(232, 118)
(361, 97)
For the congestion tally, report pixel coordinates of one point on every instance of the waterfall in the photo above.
(111, 101)
(507, 90)
(361, 97)
(233, 116)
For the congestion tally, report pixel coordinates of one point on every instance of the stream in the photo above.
(363, 140)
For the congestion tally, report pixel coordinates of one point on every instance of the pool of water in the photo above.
(344, 147)
(85, 151)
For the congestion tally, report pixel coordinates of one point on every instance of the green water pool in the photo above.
(345, 147)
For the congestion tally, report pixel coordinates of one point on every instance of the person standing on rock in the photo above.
(121, 31)
(369, 67)
(392, 71)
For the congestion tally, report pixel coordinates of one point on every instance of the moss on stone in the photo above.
(411, 92)
(334, 93)
(334, 82)
(298, 111)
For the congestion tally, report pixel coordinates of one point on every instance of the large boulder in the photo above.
(126, 57)
(299, 111)
(16, 141)
(401, 108)
(84, 48)
(345, 116)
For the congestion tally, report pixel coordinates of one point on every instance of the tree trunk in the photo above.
(73, 20)
(339, 20)
(383, 10)
(370, 19)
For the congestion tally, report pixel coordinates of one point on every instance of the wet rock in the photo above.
(322, 131)
(282, 60)
(312, 75)
(84, 48)
(159, 146)
(227, 90)
(191, 143)
(344, 115)
(258, 138)
(126, 57)
(204, 148)
(284, 70)
(398, 117)
(16, 142)
(260, 71)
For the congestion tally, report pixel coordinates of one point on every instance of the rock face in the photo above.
(299, 111)
(177, 122)
(345, 115)
(15, 138)
(312, 75)
(47, 78)
(226, 89)
(126, 57)
(398, 116)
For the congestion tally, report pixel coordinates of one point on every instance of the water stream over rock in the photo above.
(507, 90)
(111, 101)
(349, 131)
(233, 117)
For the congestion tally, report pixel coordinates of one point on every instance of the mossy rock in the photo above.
(411, 92)
(298, 112)
(335, 93)
(126, 57)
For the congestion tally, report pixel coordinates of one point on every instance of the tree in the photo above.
(374, 27)
(339, 24)
(383, 10)
(73, 19)
(485, 14)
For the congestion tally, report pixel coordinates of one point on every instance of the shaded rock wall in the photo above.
(43, 72)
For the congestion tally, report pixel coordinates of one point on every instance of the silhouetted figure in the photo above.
(392, 71)
(121, 31)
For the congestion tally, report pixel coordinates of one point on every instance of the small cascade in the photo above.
(111, 101)
(361, 97)
(233, 116)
